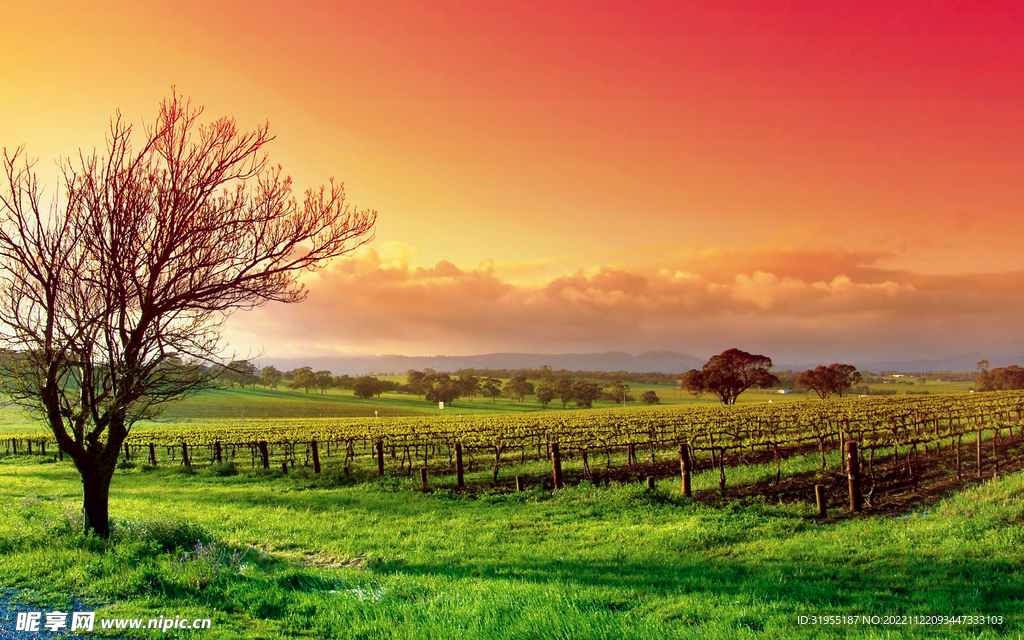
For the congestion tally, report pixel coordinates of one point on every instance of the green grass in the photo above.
(373, 558)
(15, 420)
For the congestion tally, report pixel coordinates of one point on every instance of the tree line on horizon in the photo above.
(436, 386)
(725, 376)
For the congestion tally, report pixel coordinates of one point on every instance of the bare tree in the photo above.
(112, 297)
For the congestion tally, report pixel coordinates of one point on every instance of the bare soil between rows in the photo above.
(919, 479)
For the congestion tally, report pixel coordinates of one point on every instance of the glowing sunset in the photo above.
(813, 184)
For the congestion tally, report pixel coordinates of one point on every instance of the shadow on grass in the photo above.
(914, 584)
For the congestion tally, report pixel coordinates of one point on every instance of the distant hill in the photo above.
(651, 361)
(963, 362)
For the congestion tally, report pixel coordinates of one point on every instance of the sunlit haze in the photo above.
(813, 181)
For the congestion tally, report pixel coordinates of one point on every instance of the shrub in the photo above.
(204, 563)
(165, 535)
(224, 469)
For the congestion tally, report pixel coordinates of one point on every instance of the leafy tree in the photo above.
(618, 392)
(650, 397)
(468, 385)
(563, 390)
(545, 394)
(491, 388)
(584, 393)
(835, 379)
(416, 381)
(445, 391)
(367, 387)
(843, 378)
(729, 374)
(344, 381)
(1009, 378)
(303, 378)
(240, 372)
(114, 295)
(544, 374)
(439, 387)
(518, 387)
(270, 377)
(323, 380)
(817, 380)
(984, 381)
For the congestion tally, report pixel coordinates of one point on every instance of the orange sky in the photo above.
(810, 183)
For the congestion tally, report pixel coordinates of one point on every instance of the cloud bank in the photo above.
(792, 305)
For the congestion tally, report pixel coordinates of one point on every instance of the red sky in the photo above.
(813, 181)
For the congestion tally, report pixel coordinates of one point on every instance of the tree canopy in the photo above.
(729, 374)
(1009, 378)
(835, 379)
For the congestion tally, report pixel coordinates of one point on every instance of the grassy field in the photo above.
(331, 556)
(266, 555)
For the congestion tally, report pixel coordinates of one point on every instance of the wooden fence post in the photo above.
(316, 456)
(423, 479)
(853, 475)
(685, 469)
(460, 479)
(184, 455)
(819, 497)
(127, 452)
(995, 452)
(380, 457)
(264, 454)
(721, 470)
(556, 465)
(959, 439)
(650, 483)
(979, 452)
(519, 483)
(842, 447)
(152, 454)
(217, 453)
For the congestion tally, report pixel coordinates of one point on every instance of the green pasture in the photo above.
(13, 419)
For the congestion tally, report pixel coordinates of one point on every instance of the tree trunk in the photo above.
(95, 462)
(96, 499)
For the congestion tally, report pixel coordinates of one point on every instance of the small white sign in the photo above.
(440, 405)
